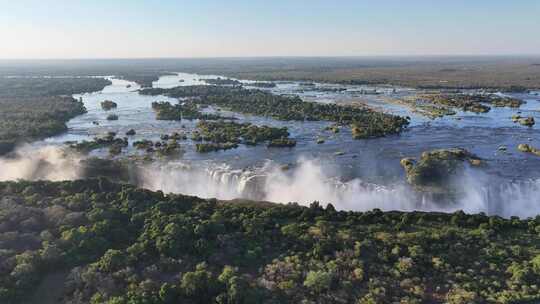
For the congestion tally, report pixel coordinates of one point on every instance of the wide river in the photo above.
(351, 174)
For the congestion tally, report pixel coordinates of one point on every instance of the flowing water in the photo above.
(351, 174)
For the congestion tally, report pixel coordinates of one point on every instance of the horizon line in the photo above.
(273, 57)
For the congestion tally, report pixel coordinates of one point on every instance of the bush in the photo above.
(318, 281)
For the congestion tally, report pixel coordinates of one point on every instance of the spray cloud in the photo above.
(310, 180)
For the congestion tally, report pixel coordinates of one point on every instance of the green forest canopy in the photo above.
(121, 244)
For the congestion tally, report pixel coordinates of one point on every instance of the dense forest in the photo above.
(28, 118)
(187, 110)
(144, 80)
(34, 108)
(46, 86)
(112, 243)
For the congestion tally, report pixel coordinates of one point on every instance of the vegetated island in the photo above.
(223, 81)
(224, 135)
(109, 140)
(167, 147)
(142, 77)
(434, 171)
(101, 242)
(472, 102)
(261, 84)
(185, 110)
(366, 123)
(435, 105)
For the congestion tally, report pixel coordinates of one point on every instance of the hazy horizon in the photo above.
(255, 57)
(32, 29)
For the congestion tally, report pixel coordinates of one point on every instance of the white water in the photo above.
(309, 180)
(45, 163)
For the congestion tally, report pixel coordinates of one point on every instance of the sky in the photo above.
(46, 29)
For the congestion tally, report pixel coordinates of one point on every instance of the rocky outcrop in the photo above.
(108, 105)
(524, 121)
(528, 121)
(528, 149)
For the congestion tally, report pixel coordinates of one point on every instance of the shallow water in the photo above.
(374, 161)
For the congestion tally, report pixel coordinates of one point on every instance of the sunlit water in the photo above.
(362, 174)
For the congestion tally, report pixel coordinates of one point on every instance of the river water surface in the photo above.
(351, 174)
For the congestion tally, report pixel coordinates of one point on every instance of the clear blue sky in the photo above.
(205, 28)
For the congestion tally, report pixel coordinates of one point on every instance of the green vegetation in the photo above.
(257, 102)
(108, 105)
(168, 147)
(435, 105)
(47, 86)
(260, 84)
(213, 147)
(223, 81)
(433, 111)
(472, 101)
(126, 245)
(334, 90)
(528, 149)
(187, 110)
(418, 105)
(225, 131)
(144, 144)
(224, 135)
(217, 135)
(191, 91)
(498, 101)
(110, 140)
(30, 118)
(38, 107)
(462, 101)
(524, 121)
(432, 173)
(145, 80)
(377, 126)
(333, 128)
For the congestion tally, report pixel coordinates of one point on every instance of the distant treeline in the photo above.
(491, 72)
(39, 87)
